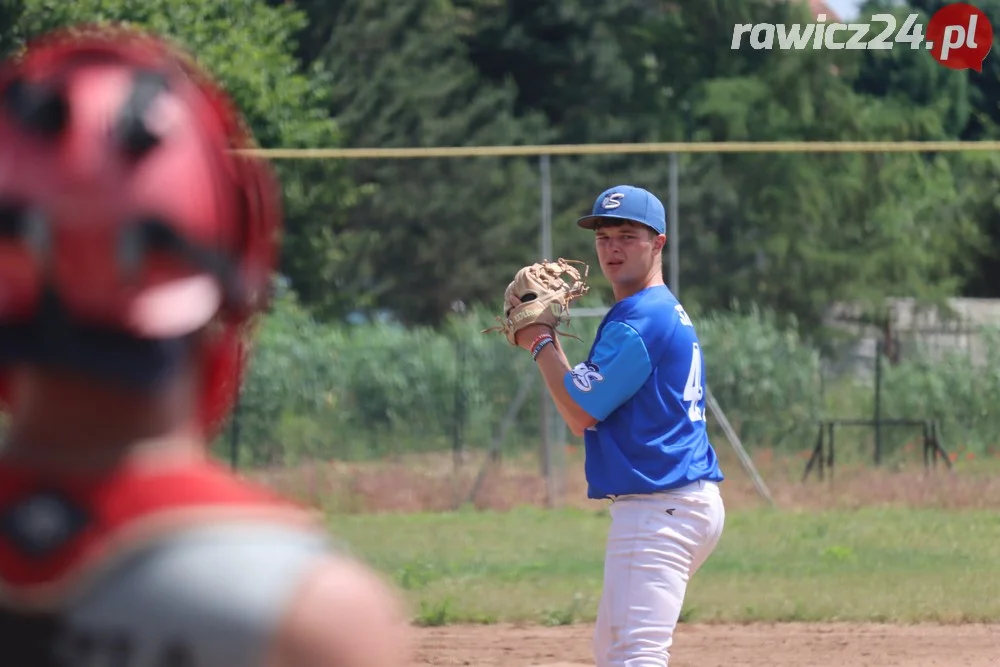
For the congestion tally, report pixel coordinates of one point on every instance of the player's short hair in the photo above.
(604, 223)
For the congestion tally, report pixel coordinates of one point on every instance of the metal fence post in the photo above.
(549, 414)
(672, 240)
(459, 416)
(878, 402)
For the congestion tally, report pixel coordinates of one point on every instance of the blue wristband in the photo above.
(538, 348)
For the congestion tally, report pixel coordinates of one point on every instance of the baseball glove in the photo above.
(542, 296)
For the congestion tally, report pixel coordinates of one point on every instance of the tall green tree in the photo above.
(429, 231)
(984, 120)
(909, 79)
(10, 17)
(949, 104)
(797, 232)
(569, 60)
(583, 67)
(807, 230)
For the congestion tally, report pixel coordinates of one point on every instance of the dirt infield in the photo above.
(781, 645)
(430, 483)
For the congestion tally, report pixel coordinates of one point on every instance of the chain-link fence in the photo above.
(339, 390)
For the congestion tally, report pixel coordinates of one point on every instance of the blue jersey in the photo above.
(644, 382)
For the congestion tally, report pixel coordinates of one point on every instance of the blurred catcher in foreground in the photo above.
(136, 249)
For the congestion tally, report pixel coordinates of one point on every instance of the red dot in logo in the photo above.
(960, 36)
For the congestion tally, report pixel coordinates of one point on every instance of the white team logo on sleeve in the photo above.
(682, 314)
(585, 375)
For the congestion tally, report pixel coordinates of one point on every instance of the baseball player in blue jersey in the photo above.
(639, 402)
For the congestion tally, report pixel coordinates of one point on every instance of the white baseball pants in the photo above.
(655, 545)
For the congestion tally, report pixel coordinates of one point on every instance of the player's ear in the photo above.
(660, 242)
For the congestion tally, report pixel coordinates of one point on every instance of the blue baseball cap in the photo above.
(627, 202)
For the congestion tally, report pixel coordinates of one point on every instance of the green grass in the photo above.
(892, 565)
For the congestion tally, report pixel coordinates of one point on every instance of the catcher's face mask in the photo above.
(126, 222)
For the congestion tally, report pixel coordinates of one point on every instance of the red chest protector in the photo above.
(56, 531)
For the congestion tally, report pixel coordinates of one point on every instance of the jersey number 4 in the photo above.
(693, 391)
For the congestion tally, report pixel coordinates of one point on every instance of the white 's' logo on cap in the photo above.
(612, 201)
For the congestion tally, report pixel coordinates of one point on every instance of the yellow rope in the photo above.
(611, 149)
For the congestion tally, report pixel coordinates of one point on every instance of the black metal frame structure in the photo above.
(823, 455)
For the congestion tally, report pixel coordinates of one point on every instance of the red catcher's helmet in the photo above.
(127, 221)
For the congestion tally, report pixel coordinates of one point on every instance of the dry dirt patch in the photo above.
(434, 483)
(779, 645)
